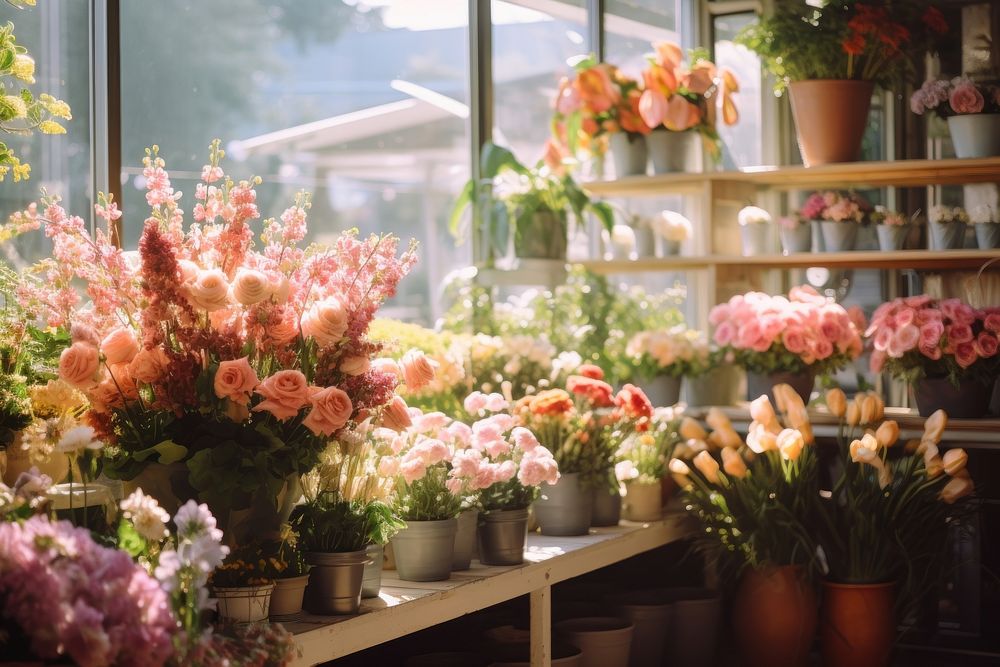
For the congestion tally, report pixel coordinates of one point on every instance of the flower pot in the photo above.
(245, 604)
(975, 135)
(796, 239)
(371, 580)
(839, 236)
(645, 240)
(759, 384)
(642, 501)
(519, 655)
(628, 150)
(424, 550)
(335, 582)
(286, 598)
(564, 508)
(858, 626)
(694, 632)
(830, 118)
(662, 390)
(544, 237)
(501, 535)
(988, 235)
(891, 237)
(672, 152)
(605, 641)
(668, 488)
(89, 506)
(756, 239)
(947, 235)
(449, 659)
(774, 616)
(671, 248)
(969, 400)
(607, 508)
(651, 615)
(719, 386)
(19, 460)
(465, 540)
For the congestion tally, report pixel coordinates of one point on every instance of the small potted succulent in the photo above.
(244, 582)
(971, 109)
(891, 227)
(755, 230)
(947, 225)
(987, 223)
(839, 217)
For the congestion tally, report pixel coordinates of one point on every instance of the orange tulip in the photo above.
(790, 442)
(596, 90)
(700, 79)
(733, 463)
(717, 419)
(652, 108)
(691, 429)
(836, 402)
(935, 425)
(954, 461)
(956, 489)
(708, 467)
(887, 433)
(668, 54)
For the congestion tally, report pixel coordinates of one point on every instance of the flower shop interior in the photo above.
(593, 333)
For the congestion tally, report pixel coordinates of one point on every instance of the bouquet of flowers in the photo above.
(676, 352)
(643, 455)
(917, 337)
(984, 214)
(802, 332)
(883, 216)
(835, 207)
(237, 363)
(956, 97)
(944, 215)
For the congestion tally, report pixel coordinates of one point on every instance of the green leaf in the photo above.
(464, 200)
(497, 158)
(129, 540)
(7, 59)
(167, 452)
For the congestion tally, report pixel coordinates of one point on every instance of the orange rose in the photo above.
(326, 321)
(285, 393)
(80, 365)
(418, 370)
(250, 287)
(119, 346)
(235, 379)
(551, 402)
(331, 408)
(149, 365)
(396, 415)
(357, 365)
(209, 290)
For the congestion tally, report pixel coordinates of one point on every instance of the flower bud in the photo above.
(760, 440)
(836, 402)
(934, 465)
(864, 450)
(853, 414)
(787, 398)
(934, 426)
(717, 419)
(680, 473)
(887, 433)
(761, 411)
(733, 463)
(956, 489)
(708, 467)
(869, 409)
(790, 443)
(954, 461)
(690, 428)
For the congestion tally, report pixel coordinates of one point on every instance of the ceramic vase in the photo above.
(662, 391)
(424, 550)
(969, 400)
(334, 586)
(719, 386)
(830, 118)
(629, 153)
(245, 604)
(607, 507)
(774, 617)
(371, 579)
(564, 508)
(858, 626)
(975, 135)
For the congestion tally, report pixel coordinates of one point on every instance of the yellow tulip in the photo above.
(707, 466)
(733, 463)
(853, 414)
(954, 461)
(790, 443)
(717, 419)
(935, 425)
(956, 489)
(690, 428)
(887, 433)
(836, 401)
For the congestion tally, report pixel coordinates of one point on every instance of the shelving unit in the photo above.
(405, 607)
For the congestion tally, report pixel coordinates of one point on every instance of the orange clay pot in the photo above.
(830, 118)
(774, 617)
(858, 626)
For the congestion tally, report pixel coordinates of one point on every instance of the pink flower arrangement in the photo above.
(835, 207)
(956, 97)
(777, 333)
(918, 336)
(883, 216)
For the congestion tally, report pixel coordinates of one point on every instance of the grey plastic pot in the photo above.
(372, 581)
(629, 153)
(672, 152)
(607, 510)
(697, 615)
(760, 384)
(947, 235)
(975, 135)
(565, 507)
(839, 236)
(642, 501)
(335, 582)
(796, 239)
(719, 386)
(988, 235)
(891, 237)
(756, 239)
(424, 550)
(662, 391)
(501, 535)
(465, 540)
(651, 615)
(605, 641)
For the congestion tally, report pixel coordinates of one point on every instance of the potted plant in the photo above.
(243, 584)
(948, 224)
(674, 228)
(972, 111)
(987, 224)
(796, 234)
(659, 360)
(830, 56)
(291, 573)
(509, 466)
(711, 376)
(534, 202)
(891, 227)
(641, 464)
(838, 215)
(680, 101)
(945, 349)
(755, 230)
(787, 339)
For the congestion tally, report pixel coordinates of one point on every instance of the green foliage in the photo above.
(427, 499)
(509, 495)
(327, 524)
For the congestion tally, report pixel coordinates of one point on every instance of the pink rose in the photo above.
(724, 333)
(959, 333)
(486, 475)
(331, 408)
(466, 462)
(930, 351)
(119, 346)
(930, 333)
(748, 334)
(904, 340)
(250, 287)
(882, 338)
(918, 301)
(209, 291)
(965, 354)
(794, 340)
(84, 333)
(395, 415)
(283, 329)
(326, 321)
(986, 344)
(718, 314)
(285, 393)
(506, 471)
(822, 348)
(966, 98)
(412, 470)
(524, 439)
(806, 294)
(235, 379)
(387, 366)
(992, 322)
(80, 365)
(877, 361)
(418, 370)
(149, 365)
(356, 365)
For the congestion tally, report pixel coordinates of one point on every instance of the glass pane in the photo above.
(365, 104)
(631, 26)
(56, 36)
(742, 143)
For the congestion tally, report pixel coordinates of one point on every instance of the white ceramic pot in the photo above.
(248, 604)
(975, 135)
(286, 598)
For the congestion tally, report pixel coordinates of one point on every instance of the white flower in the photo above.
(673, 226)
(626, 470)
(194, 520)
(984, 213)
(78, 439)
(204, 553)
(149, 519)
(752, 215)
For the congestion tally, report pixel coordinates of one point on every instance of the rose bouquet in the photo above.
(955, 97)
(835, 207)
(203, 352)
(884, 216)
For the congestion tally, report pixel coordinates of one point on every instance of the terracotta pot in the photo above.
(858, 626)
(969, 400)
(286, 598)
(830, 118)
(774, 617)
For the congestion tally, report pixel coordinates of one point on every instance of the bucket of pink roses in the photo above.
(945, 349)
(215, 370)
(787, 340)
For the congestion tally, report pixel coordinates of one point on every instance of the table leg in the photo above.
(541, 627)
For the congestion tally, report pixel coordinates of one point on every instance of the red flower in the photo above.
(894, 34)
(590, 371)
(598, 392)
(855, 45)
(551, 402)
(634, 403)
(934, 19)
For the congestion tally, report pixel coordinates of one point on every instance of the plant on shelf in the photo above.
(674, 228)
(641, 463)
(755, 230)
(244, 582)
(838, 215)
(971, 109)
(892, 227)
(534, 201)
(947, 225)
(987, 224)
(659, 359)
(945, 348)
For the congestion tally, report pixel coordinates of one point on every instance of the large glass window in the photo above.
(632, 26)
(365, 104)
(742, 143)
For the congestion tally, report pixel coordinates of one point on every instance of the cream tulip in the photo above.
(680, 473)
(733, 464)
(954, 461)
(836, 402)
(956, 489)
(761, 411)
(760, 440)
(690, 428)
(786, 397)
(865, 449)
(696, 446)
(887, 433)
(717, 419)
(853, 414)
(790, 443)
(934, 426)
(708, 467)
(934, 466)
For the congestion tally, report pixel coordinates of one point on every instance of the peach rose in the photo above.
(357, 365)
(387, 366)
(250, 287)
(189, 270)
(209, 290)
(418, 370)
(235, 379)
(331, 408)
(326, 321)
(149, 365)
(84, 333)
(80, 365)
(119, 346)
(122, 378)
(396, 415)
(105, 397)
(284, 330)
(285, 393)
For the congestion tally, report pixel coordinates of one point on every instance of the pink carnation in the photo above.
(966, 98)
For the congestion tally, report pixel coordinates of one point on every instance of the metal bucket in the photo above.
(424, 550)
(371, 582)
(607, 507)
(465, 540)
(502, 534)
(564, 508)
(335, 582)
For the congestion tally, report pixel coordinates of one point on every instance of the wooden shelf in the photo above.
(405, 607)
(900, 173)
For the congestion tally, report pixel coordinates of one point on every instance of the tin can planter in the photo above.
(830, 118)
(694, 633)
(605, 641)
(564, 508)
(988, 235)
(719, 386)
(607, 509)
(839, 236)
(755, 239)
(759, 384)
(796, 239)
(662, 391)
(544, 237)
(244, 604)
(774, 617)
(651, 615)
(335, 582)
(891, 237)
(642, 501)
(975, 135)
(947, 235)
(371, 580)
(424, 550)
(969, 400)
(672, 152)
(629, 152)
(287, 596)
(465, 540)
(858, 627)
(501, 536)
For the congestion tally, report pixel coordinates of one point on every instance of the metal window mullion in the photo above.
(480, 98)
(105, 101)
(595, 28)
